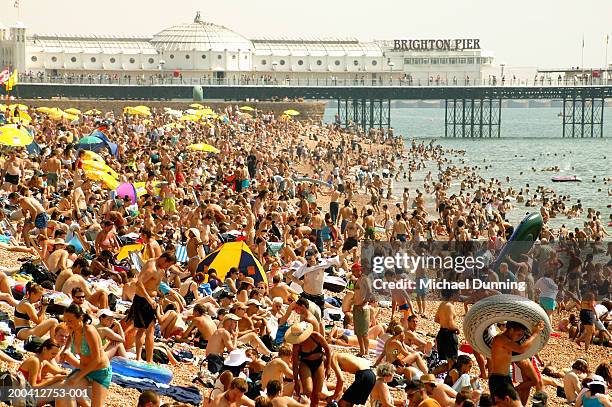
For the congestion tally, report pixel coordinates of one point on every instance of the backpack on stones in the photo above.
(38, 273)
(10, 380)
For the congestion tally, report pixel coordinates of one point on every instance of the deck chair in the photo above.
(181, 254)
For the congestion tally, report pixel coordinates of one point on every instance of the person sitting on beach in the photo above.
(38, 370)
(111, 334)
(280, 369)
(235, 396)
(33, 308)
(345, 336)
(396, 353)
(199, 320)
(225, 338)
(596, 394)
(459, 376)
(380, 396)
(277, 395)
(96, 297)
(441, 392)
(572, 380)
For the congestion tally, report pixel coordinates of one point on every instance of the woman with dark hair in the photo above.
(94, 365)
(25, 312)
(38, 370)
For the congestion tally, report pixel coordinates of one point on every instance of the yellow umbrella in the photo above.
(98, 166)
(127, 249)
(189, 118)
(285, 117)
(92, 112)
(104, 178)
(291, 112)
(73, 110)
(246, 108)
(137, 111)
(93, 156)
(197, 106)
(48, 110)
(63, 115)
(146, 122)
(18, 106)
(15, 136)
(203, 147)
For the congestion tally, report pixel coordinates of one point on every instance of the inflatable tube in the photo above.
(522, 239)
(141, 370)
(504, 307)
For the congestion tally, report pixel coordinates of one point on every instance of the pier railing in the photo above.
(330, 81)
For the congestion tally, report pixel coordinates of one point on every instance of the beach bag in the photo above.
(112, 302)
(10, 380)
(38, 273)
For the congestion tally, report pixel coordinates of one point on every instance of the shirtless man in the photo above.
(276, 392)
(361, 309)
(346, 214)
(13, 168)
(234, 397)
(316, 225)
(52, 167)
(400, 228)
(58, 259)
(79, 199)
(439, 391)
(352, 233)
(98, 298)
(281, 289)
(38, 216)
(405, 199)
(502, 348)
(447, 341)
(201, 321)
(360, 390)
(414, 339)
(280, 369)
(369, 224)
(225, 338)
(142, 312)
(152, 249)
(301, 307)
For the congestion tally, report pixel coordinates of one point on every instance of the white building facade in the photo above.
(202, 50)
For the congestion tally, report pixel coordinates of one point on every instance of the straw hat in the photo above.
(297, 333)
(232, 317)
(429, 379)
(249, 280)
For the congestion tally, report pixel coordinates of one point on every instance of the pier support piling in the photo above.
(365, 113)
(472, 118)
(583, 117)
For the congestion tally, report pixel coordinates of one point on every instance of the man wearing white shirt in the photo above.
(548, 290)
(313, 273)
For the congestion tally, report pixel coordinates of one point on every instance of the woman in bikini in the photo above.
(27, 311)
(38, 369)
(311, 360)
(395, 352)
(94, 368)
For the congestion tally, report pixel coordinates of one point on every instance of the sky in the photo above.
(520, 33)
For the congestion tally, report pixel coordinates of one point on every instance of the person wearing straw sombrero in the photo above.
(311, 359)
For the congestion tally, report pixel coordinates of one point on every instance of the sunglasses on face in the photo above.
(79, 297)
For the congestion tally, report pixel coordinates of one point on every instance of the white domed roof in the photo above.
(200, 36)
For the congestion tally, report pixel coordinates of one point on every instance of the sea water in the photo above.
(531, 138)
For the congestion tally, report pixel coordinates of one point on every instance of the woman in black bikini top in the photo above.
(311, 360)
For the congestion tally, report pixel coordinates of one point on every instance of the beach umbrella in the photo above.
(18, 106)
(90, 142)
(197, 106)
(15, 136)
(189, 118)
(246, 108)
(92, 112)
(93, 156)
(107, 180)
(49, 110)
(291, 112)
(126, 189)
(137, 111)
(203, 147)
(141, 188)
(127, 249)
(98, 166)
(73, 110)
(233, 254)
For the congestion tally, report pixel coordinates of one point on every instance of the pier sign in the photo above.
(436, 45)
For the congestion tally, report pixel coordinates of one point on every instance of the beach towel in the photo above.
(181, 254)
(190, 395)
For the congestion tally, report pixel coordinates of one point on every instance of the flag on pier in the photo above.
(4, 76)
(12, 81)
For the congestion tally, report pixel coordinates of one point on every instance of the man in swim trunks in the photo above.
(142, 312)
(225, 338)
(502, 349)
(52, 167)
(447, 340)
(360, 390)
(13, 168)
(38, 216)
(369, 223)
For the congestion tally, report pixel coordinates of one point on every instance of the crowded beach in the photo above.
(217, 257)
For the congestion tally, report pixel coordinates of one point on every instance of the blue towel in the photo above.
(182, 394)
(181, 254)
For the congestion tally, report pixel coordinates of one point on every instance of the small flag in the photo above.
(12, 81)
(4, 75)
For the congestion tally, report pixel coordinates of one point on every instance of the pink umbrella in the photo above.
(126, 189)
